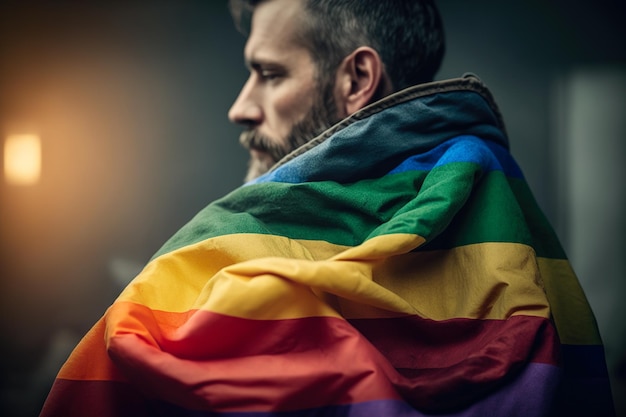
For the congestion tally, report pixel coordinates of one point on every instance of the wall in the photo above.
(130, 101)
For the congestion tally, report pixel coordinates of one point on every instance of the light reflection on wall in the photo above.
(22, 159)
(591, 102)
(129, 101)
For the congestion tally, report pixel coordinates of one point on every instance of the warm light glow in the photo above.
(22, 159)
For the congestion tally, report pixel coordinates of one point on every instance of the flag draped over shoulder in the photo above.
(397, 265)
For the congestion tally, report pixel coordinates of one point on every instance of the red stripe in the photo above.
(456, 361)
(414, 343)
(408, 342)
(202, 360)
(313, 355)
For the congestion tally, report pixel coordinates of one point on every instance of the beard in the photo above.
(266, 152)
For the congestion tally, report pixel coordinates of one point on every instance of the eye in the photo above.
(269, 74)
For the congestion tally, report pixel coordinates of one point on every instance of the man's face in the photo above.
(282, 105)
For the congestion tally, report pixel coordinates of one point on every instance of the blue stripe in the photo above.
(584, 361)
(489, 155)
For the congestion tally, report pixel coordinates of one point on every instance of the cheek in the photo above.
(292, 104)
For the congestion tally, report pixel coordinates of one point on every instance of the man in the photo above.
(384, 258)
(307, 74)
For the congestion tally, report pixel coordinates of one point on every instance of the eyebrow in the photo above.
(255, 61)
(257, 64)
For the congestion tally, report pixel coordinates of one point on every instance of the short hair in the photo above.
(407, 34)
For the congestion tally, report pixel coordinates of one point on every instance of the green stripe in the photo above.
(501, 210)
(348, 214)
(545, 241)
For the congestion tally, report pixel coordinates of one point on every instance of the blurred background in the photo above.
(125, 103)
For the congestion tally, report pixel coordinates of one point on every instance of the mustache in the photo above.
(252, 139)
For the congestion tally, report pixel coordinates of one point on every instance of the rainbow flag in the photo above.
(397, 266)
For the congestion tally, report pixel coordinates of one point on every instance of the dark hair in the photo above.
(407, 34)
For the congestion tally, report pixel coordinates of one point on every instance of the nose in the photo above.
(246, 110)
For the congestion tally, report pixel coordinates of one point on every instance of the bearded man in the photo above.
(385, 256)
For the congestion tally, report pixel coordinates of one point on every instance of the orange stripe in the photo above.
(90, 360)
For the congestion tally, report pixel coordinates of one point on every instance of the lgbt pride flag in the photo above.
(398, 265)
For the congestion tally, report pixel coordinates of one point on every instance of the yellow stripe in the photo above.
(217, 275)
(271, 277)
(573, 317)
(347, 275)
(194, 277)
(479, 281)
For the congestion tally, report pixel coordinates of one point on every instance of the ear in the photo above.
(361, 79)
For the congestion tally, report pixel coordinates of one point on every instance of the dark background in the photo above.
(130, 101)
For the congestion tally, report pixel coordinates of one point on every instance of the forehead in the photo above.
(274, 30)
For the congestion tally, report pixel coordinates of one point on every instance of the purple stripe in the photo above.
(529, 395)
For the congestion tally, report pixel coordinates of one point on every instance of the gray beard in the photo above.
(323, 115)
